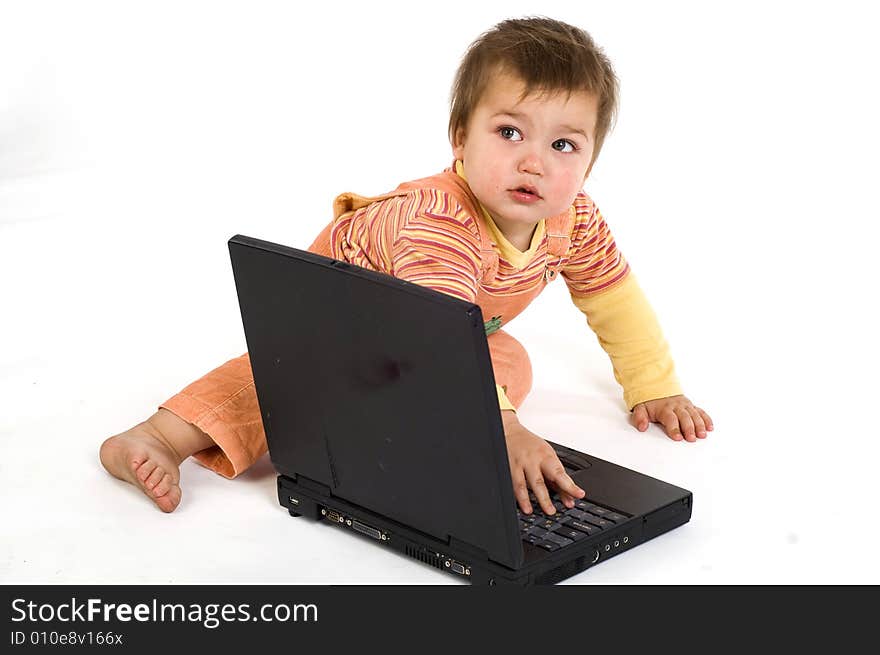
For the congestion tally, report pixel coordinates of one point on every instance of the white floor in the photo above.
(736, 182)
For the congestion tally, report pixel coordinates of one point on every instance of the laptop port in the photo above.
(332, 515)
(368, 530)
(456, 567)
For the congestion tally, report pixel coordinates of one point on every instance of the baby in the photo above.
(532, 102)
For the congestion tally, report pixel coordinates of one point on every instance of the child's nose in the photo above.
(531, 163)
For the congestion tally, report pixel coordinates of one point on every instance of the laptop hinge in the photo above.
(475, 554)
(311, 485)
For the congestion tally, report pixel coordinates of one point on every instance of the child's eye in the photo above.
(564, 145)
(510, 133)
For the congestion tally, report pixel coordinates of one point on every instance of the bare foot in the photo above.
(146, 459)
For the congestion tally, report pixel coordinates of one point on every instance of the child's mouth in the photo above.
(525, 194)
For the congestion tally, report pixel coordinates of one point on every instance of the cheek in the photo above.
(569, 183)
(487, 180)
(495, 181)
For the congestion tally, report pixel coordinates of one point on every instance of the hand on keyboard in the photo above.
(534, 465)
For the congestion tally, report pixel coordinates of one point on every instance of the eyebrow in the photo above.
(522, 117)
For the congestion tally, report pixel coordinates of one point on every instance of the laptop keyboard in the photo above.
(567, 526)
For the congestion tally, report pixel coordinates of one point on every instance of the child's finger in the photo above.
(555, 473)
(669, 420)
(564, 484)
(686, 424)
(699, 424)
(539, 488)
(566, 499)
(706, 419)
(639, 417)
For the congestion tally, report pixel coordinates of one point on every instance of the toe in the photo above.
(155, 478)
(139, 458)
(144, 469)
(169, 501)
(163, 486)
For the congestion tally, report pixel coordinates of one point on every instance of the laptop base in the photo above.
(305, 498)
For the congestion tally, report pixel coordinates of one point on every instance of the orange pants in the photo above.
(223, 404)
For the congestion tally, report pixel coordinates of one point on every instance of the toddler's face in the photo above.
(527, 160)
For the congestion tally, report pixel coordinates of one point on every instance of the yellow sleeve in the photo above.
(629, 332)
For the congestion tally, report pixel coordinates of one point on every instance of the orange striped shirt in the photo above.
(428, 238)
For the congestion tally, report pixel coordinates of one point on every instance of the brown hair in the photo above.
(548, 56)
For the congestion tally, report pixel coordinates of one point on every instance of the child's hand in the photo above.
(678, 416)
(532, 461)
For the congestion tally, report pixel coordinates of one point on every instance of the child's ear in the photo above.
(458, 143)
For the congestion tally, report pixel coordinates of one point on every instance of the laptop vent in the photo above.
(565, 571)
(427, 558)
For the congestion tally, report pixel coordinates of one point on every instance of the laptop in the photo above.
(379, 405)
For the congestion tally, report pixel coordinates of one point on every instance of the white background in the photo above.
(136, 138)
